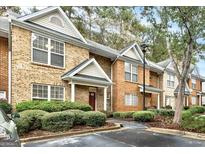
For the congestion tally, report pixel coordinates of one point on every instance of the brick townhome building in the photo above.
(44, 57)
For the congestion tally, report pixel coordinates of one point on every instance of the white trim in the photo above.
(86, 64)
(48, 51)
(72, 92)
(87, 84)
(63, 26)
(105, 99)
(158, 101)
(9, 77)
(49, 93)
(49, 9)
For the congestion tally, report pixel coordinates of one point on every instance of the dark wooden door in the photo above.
(92, 99)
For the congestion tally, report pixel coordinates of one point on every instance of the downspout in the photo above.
(9, 60)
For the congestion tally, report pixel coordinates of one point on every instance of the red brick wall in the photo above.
(4, 65)
(121, 87)
(194, 91)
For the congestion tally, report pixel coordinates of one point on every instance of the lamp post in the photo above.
(144, 46)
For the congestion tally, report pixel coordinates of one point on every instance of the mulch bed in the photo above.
(163, 122)
(36, 133)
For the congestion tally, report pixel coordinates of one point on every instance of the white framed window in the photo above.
(40, 91)
(57, 93)
(170, 80)
(47, 51)
(131, 72)
(194, 98)
(131, 99)
(2, 94)
(47, 92)
(169, 100)
(193, 83)
(56, 20)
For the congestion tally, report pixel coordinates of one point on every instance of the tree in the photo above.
(182, 42)
(4, 9)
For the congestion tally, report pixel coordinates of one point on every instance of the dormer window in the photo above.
(56, 20)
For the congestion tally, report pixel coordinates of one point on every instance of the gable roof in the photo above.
(48, 10)
(79, 68)
(186, 91)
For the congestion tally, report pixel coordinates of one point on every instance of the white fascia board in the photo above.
(38, 13)
(86, 64)
(69, 22)
(139, 49)
(124, 52)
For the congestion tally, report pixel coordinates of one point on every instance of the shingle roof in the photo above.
(186, 92)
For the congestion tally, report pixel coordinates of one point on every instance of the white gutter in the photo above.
(9, 60)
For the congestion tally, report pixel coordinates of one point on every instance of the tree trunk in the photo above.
(179, 103)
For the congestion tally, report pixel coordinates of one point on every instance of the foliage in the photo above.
(29, 120)
(143, 116)
(194, 123)
(78, 117)
(95, 118)
(166, 112)
(58, 121)
(186, 114)
(197, 109)
(5, 106)
(123, 115)
(109, 114)
(186, 107)
(51, 106)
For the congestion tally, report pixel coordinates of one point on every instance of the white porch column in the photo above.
(187, 100)
(105, 99)
(200, 100)
(158, 101)
(72, 92)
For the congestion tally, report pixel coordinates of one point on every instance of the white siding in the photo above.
(67, 29)
(92, 70)
(132, 54)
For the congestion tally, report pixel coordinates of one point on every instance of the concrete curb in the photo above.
(199, 136)
(117, 126)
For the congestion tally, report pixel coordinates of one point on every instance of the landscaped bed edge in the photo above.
(116, 126)
(200, 136)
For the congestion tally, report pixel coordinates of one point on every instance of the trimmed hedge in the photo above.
(186, 114)
(5, 106)
(166, 112)
(51, 106)
(197, 109)
(58, 121)
(143, 116)
(109, 114)
(78, 117)
(194, 123)
(29, 120)
(94, 118)
(123, 115)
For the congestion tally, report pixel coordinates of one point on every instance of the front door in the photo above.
(92, 99)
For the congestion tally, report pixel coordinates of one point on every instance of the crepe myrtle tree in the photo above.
(182, 29)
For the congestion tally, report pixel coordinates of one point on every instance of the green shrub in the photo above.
(5, 106)
(29, 120)
(197, 109)
(123, 115)
(194, 123)
(94, 118)
(109, 114)
(58, 121)
(166, 112)
(186, 114)
(143, 116)
(168, 107)
(34, 118)
(78, 117)
(186, 107)
(52, 106)
(155, 111)
(22, 125)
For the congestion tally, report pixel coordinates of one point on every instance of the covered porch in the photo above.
(89, 84)
(154, 94)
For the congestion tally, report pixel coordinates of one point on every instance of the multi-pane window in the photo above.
(131, 72)
(193, 83)
(131, 99)
(170, 80)
(40, 91)
(47, 92)
(169, 100)
(194, 100)
(48, 51)
(57, 93)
